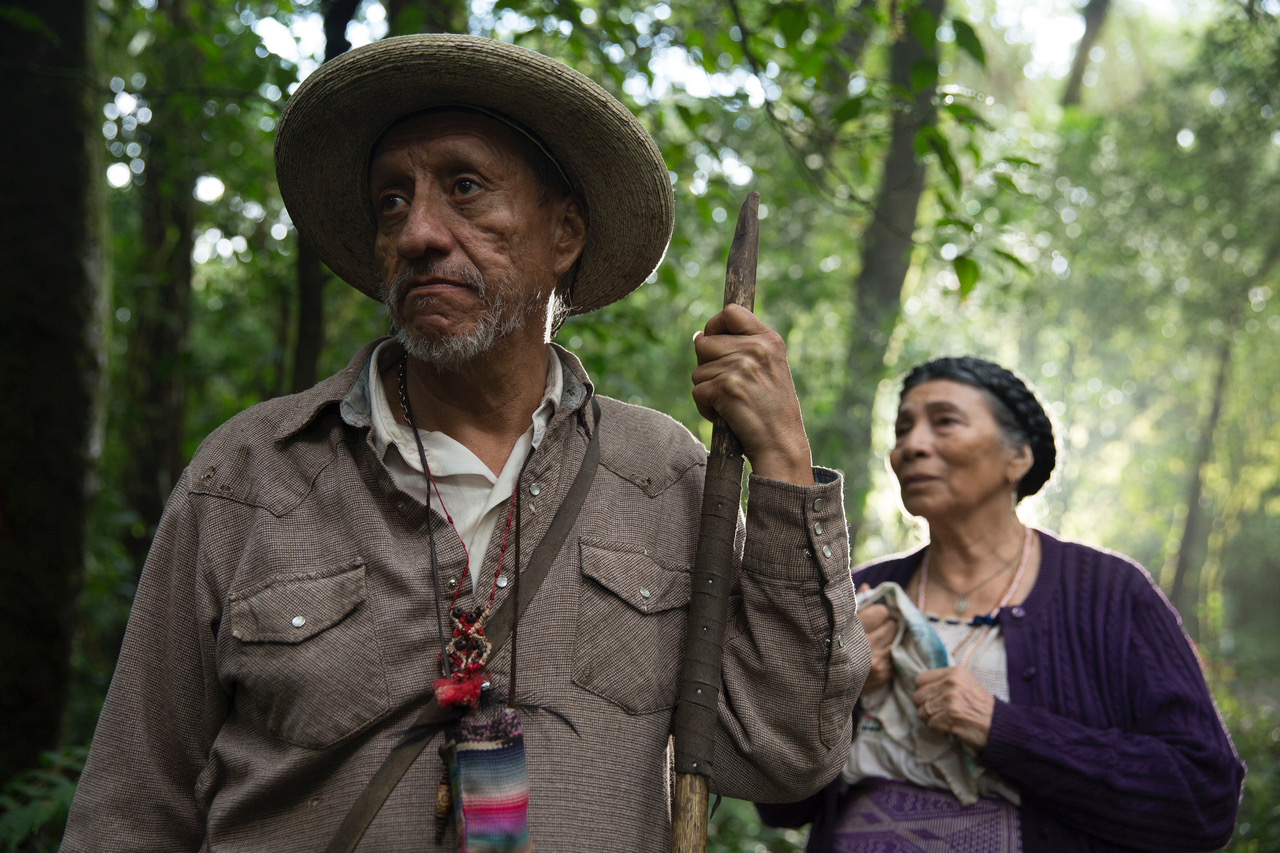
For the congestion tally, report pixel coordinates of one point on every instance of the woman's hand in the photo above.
(951, 700)
(880, 628)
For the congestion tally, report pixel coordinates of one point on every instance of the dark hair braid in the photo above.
(1017, 410)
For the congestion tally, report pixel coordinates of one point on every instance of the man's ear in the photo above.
(570, 235)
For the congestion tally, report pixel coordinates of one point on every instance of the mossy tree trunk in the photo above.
(50, 360)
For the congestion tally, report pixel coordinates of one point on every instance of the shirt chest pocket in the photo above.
(631, 621)
(305, 651)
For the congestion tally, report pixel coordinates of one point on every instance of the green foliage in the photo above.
(734, 828)
(968, 41)
(29, 21)
(34, 805)
(1256, 734)
(966, 273)
(1089, 249)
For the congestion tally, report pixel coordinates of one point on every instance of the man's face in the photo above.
(468, 256)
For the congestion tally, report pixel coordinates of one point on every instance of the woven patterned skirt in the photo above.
(880, 816)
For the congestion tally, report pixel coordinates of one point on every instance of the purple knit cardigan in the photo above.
(1110, 733)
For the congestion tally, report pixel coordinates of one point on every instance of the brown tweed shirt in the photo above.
(284, 633)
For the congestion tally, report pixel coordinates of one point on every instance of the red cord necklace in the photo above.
(466, 653)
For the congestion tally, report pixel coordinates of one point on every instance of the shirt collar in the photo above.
(348, 389)
(366, 403)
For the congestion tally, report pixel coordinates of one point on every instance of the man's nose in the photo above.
(427, 229)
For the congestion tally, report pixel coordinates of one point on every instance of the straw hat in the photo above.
(329, 127)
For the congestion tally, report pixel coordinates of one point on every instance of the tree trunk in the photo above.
(886, 259)
(50, 361)
(1095, 12)
(311, 273)
(1204, 448)
(306, 352)
(152, 382)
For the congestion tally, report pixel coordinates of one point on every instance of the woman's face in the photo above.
(949, 456)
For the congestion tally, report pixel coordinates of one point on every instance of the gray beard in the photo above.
(509, 311)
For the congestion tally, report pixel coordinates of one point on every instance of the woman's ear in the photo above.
(1020, 463)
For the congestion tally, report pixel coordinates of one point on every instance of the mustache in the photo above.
(463, 273)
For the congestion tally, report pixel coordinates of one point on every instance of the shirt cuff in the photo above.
(795, 532)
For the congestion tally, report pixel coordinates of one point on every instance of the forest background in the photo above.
(1081, 191)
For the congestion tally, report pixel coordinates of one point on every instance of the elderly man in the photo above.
(334, 577)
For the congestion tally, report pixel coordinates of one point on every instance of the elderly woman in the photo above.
(1026, 693)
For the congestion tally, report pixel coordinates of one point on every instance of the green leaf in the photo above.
(967, 271)
(812, 64)
(1012, 258)
(939, 145)
(692, 120)
(30, 22)
(792, 21)
(924, 28)
(958, 223)
(848, 110)
(924, 75)
(967, 40)
(965, 114)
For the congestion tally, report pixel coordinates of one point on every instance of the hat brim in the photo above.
(329, 127)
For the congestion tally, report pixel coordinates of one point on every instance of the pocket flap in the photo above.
(295, 607)
(635, 578)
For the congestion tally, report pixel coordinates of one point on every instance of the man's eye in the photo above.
(391, 202)
(466, 186)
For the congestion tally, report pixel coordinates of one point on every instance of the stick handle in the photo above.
(695, 719)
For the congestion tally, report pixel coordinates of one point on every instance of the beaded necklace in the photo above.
(962, 598)
(466, 653)
(1024, 557)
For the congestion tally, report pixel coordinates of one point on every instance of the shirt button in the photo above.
(818, 504)
(1018, 612)
(535, 490)
(502, 581)
(644, 593)
(533, 508)
(817, 527)
(299, 621)
(1029, 673)
(452, 583)
(826, 550)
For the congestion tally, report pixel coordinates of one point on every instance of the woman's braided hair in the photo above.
(1017, 410)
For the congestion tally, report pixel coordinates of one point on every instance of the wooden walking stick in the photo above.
(695, 721)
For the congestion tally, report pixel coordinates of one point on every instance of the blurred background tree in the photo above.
(1080, 191)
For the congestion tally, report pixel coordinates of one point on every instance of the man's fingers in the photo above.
(735, 320)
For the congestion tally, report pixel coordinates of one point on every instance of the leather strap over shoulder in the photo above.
(497, 630)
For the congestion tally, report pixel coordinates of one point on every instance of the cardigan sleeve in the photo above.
(1164, 776)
